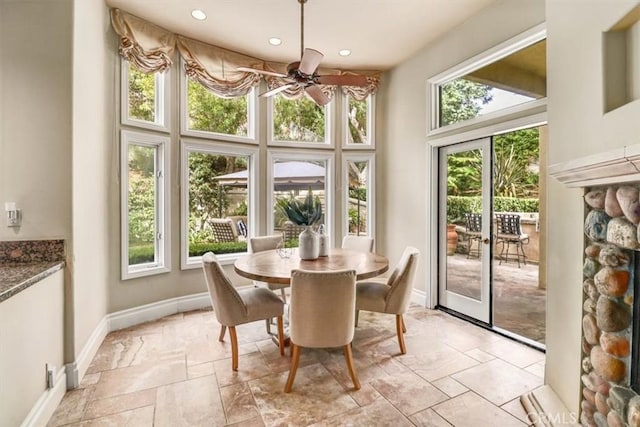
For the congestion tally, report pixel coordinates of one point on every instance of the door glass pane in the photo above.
(464, 219)
(142, 198)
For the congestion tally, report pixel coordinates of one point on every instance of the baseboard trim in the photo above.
(146, 313)
(545, 409)
(47, 403)
(419, 297)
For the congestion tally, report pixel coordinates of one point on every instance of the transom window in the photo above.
(358, 119)
(144, 100)
(298, 121)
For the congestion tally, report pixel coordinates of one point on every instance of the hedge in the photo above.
(142, 254)
(457, 206)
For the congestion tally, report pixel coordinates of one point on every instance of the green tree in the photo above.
(357, 120)
(461, 100)
(142, 93)
(298, 120)
(212, 113)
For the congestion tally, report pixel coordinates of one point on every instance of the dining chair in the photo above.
(322, 315)
(509, 232)
(391, 296)
(358, 243)
(224, 230)
(473, 230)
(265, 243)
(236, 307)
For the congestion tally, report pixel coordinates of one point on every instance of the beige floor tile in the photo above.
(537, 368)
(470, 410)
(193, 402)
(408, 392)
(513, 352)
(516, 409)
(498, 381)
(429, 418)
(379, 413)
(365, 395)
(238, 403)
(440, 363)
(140, 377)
(141, 417)
(450, 386)
(72, 407)
(315, 396)
(253, 422)
(113, 405)
(250, 367)
(479, 355)
(201, 370)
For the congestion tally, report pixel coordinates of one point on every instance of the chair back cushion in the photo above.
(358, 243)
(224, 230)
(401, 282)
(265, 243)
(322, 308)
(228, 305)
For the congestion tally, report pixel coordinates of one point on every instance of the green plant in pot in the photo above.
(307, 212)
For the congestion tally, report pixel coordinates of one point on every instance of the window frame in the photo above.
(215, 148)
(162, 208)
(329, 188)
(514, 44)
(371, 191)
(329, 124)
(252, 114)
(370, 144)
(162, 100)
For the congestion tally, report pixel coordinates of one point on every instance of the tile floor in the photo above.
(174, 372)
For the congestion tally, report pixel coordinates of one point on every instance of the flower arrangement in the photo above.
(302, 212)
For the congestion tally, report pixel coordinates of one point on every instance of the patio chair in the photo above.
(391, 296)
(510, 233)
(236, 307)
(224, 230)
(358, 243)
(474, 233)
(292, 231)
(322, 315)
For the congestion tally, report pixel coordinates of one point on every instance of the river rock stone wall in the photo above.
(613, 236)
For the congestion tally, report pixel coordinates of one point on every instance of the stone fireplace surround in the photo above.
(611, 182)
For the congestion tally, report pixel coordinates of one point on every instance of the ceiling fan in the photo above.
(303, 73)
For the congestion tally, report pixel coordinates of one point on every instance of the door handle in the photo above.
(486, 241)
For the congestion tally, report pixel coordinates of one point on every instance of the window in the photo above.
(358, 119)
(358, 173)
(209, 115)
(143, 97)
(298, 122)
(508, 79)
(293, 175)
(145, 205)
(218, 200)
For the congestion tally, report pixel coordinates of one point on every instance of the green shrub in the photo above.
(143, 254)
(457, 206)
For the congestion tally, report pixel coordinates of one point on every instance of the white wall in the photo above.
(577, 127)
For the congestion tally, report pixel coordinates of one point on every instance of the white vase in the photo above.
(308, 247)
(323, 241)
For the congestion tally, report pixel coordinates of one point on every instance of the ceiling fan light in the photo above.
(345, 52)
(275, 41)
(198, 14)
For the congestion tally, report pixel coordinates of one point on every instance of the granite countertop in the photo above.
(16, 277)
(24, 263)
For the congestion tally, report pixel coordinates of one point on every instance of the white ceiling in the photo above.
(380, 33)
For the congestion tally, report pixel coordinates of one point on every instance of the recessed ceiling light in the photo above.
(198, 14)
(274, 41)
(345, 52)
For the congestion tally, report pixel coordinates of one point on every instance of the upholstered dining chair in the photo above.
(391, 296)
(322, 315)
(266, 243)
(236, 307)
(358, 243)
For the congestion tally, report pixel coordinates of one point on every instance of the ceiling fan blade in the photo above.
(266, 73)
(317, 95)
(310, 60)
(343, 80)
(277, 90)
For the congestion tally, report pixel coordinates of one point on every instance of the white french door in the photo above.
(464, 279)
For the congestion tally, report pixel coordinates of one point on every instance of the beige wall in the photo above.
(95, 152)
(577, 127)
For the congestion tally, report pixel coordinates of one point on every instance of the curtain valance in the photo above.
(150, 48)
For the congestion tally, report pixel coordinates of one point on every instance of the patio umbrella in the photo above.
(287, 176)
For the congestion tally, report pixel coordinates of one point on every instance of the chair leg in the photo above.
(399, 323)
(281, 335)
(268, 322)
(348, 356)
(223, 329)
(283, 294)
(357, 314)
(234, 348)
(295, 359)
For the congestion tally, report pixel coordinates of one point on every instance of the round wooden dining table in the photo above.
(271, 266)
